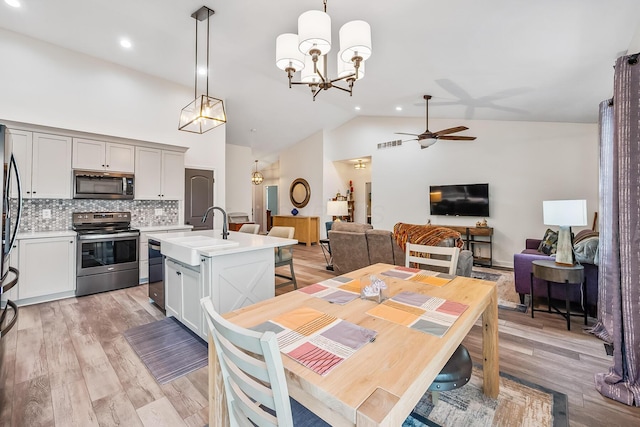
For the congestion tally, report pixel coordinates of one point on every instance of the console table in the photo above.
(476, 237)
(307, 227)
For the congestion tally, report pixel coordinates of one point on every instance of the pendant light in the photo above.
(204, 112)
(256, 177)
(307, 52)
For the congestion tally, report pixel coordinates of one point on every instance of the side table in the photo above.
(562, 276)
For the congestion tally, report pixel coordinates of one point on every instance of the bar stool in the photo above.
(455, 374)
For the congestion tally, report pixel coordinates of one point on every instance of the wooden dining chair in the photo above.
(284, 254)
(249, 228)
(437, 256)
(253, 374)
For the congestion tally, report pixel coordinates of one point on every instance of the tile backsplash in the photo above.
(143, 212)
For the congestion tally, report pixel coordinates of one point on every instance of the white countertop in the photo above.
(152, 228)
(247, 242)
(45, 234)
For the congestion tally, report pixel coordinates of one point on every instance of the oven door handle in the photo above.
(111, 236)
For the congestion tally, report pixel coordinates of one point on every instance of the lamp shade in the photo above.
(565, 212)
(355, 40)
(314, 32)
(346, 68)
(337, 207)
(287, 53)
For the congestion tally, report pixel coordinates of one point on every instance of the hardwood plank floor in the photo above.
(69, 365)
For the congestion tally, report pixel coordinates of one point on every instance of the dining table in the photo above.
(381, 382)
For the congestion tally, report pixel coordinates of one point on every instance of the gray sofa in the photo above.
(355, 245)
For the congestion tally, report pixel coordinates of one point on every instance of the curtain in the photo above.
(619, 268)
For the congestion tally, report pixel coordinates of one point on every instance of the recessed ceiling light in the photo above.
(202, 71)
(357, 107)
(12, 3)
(125, 43)
(398, 108)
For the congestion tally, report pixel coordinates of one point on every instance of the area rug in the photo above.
(508, 298)
(167, 348)
(519, 403)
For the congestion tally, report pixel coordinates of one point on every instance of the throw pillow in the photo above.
(549, 242)
(586, 250)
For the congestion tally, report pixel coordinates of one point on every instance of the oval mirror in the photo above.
(299, 193)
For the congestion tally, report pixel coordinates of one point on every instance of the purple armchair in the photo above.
(522, 276)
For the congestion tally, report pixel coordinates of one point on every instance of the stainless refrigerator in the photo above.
(11, 210)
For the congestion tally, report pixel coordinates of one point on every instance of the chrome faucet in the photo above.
(225, 231)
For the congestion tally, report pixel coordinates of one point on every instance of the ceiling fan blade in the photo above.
(451, 130)
(404, 133)
(457, 138)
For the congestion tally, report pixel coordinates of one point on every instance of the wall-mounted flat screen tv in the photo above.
(459, 200)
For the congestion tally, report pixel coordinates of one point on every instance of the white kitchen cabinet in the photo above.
(159, 174)
(191, 296)
(89, 154)
(173, 289)
(47, 267)
(44, 162)
(183, 294)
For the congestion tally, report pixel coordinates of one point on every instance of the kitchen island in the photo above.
(235, 272)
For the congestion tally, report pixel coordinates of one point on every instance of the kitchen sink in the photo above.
(185, 249)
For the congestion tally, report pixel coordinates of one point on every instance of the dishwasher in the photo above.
(156, 274)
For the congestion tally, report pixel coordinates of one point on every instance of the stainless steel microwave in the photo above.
(102, 185)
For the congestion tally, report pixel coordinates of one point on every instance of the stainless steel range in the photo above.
(107, 251)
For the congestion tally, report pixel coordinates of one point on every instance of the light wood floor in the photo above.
(69, 365)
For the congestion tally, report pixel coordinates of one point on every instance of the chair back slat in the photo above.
(281, 231)
(247, 382)
(250, 409)
(423, 255)
(249, 228)
(245, 363)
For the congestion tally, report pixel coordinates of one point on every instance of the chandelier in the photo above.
(204, 112)
(360, 165)
(256, 177)
(307, 52)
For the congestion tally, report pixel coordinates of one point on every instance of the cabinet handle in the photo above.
(28, 192)
(178, 273)
(102, 165)
(159, 195)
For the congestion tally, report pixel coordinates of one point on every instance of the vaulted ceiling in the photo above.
(542, 60)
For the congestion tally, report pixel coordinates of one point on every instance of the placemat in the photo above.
(337, 290)
(315, 339)
(428, 277)
(427, 314)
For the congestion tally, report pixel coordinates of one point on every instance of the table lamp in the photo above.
(337, 208)
(565, 213)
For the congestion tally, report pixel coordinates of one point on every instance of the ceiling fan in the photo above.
(428, 138)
